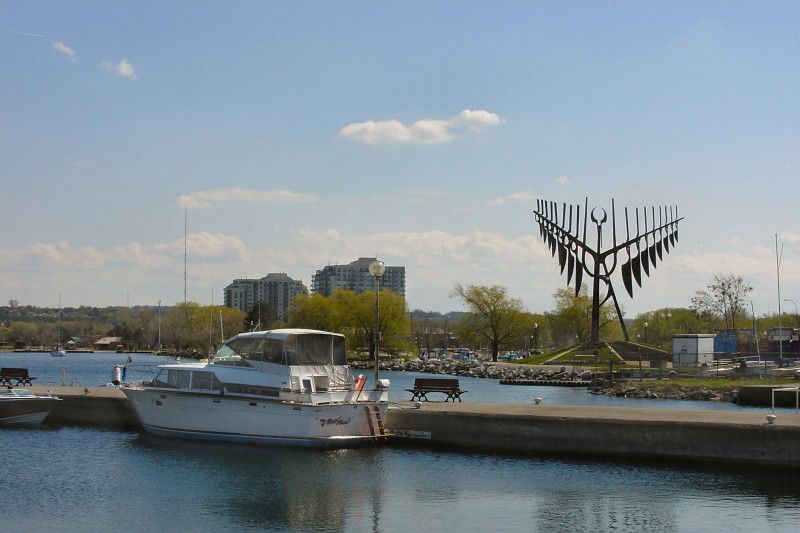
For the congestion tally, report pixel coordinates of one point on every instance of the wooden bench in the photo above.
(20, 375)
(448, 386)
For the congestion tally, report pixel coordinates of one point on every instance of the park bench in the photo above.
(448, 386)
(19, 375)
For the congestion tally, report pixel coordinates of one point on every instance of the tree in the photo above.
(313, 311)
(191, 327)
(663, 325)
(23, 331)
(355, 315)
(725, 298)
(261, 317)
(571, 322)
(493, 314)
(148, 323)
(425, 331)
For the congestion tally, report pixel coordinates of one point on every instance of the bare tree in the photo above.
(493, 314)
(725, 298)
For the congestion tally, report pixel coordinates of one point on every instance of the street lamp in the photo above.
(158, 345)
(376, 269)
(639, 351)
(535, 337)
(645, 332)
(795, 309)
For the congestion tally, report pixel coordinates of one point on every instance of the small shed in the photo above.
(692, 350)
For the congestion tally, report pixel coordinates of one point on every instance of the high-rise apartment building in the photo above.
(355, 276)
(276, 290)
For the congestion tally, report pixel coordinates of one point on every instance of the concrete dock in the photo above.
(102, 407)
(681, 435)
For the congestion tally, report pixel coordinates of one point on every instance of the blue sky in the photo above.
(299, 134)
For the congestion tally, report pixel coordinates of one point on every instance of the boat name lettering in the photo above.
(339, 421)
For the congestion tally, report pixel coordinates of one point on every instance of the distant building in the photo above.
(108, 343)
(355, 276)
(276, 290)
(692, 350)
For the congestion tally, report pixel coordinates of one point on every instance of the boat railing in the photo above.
(140, 373)
(795, 390)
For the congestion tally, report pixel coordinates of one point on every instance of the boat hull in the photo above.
(249, 420)
(25, 412)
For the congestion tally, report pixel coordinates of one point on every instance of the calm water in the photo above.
(70, 479)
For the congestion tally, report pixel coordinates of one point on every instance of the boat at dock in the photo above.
(283, 386)
(22, 407)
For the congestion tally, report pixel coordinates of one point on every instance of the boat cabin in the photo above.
(274, 363)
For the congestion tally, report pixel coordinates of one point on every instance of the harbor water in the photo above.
(76, 479)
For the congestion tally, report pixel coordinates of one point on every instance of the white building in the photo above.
(692, 350)
(276, 290)
(355, 276)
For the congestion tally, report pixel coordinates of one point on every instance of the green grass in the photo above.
(568, 356)
(712, 383)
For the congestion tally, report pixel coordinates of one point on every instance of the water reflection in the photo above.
(276, 488)
(83, 479)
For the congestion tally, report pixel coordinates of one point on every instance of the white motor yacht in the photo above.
(284, 386)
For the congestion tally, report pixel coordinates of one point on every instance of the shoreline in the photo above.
(624, 384)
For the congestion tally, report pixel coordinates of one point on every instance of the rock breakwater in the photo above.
(482, 369)
(620, 387)
(657, 389)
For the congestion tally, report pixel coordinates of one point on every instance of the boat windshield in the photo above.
(306, 349)
(16, 393)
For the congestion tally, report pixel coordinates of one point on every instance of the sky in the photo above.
(266, 136)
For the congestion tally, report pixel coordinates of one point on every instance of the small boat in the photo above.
(283, 386)
(22, 407)
(58, 351)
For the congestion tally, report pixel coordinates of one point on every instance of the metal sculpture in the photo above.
(567, 235)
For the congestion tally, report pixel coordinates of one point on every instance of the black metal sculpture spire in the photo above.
(645, 246)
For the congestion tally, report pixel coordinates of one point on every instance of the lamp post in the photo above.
(645, 332)
(639, 350)
(376, 269)
(158, 345)
(535, 337)
(795, 309)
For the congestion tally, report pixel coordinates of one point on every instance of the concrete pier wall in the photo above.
(682, 435)
(623, 433)
(101, 407)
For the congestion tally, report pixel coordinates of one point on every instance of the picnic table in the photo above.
(447, 386)
(19, 375)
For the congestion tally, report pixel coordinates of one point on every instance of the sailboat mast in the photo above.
(185, 226)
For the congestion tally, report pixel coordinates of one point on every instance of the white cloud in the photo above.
(425, 131)
(563, 180)
(522, 196)
(477, 120)
(435, 260)
(123, 69)
(208, 199)
(64, 49)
